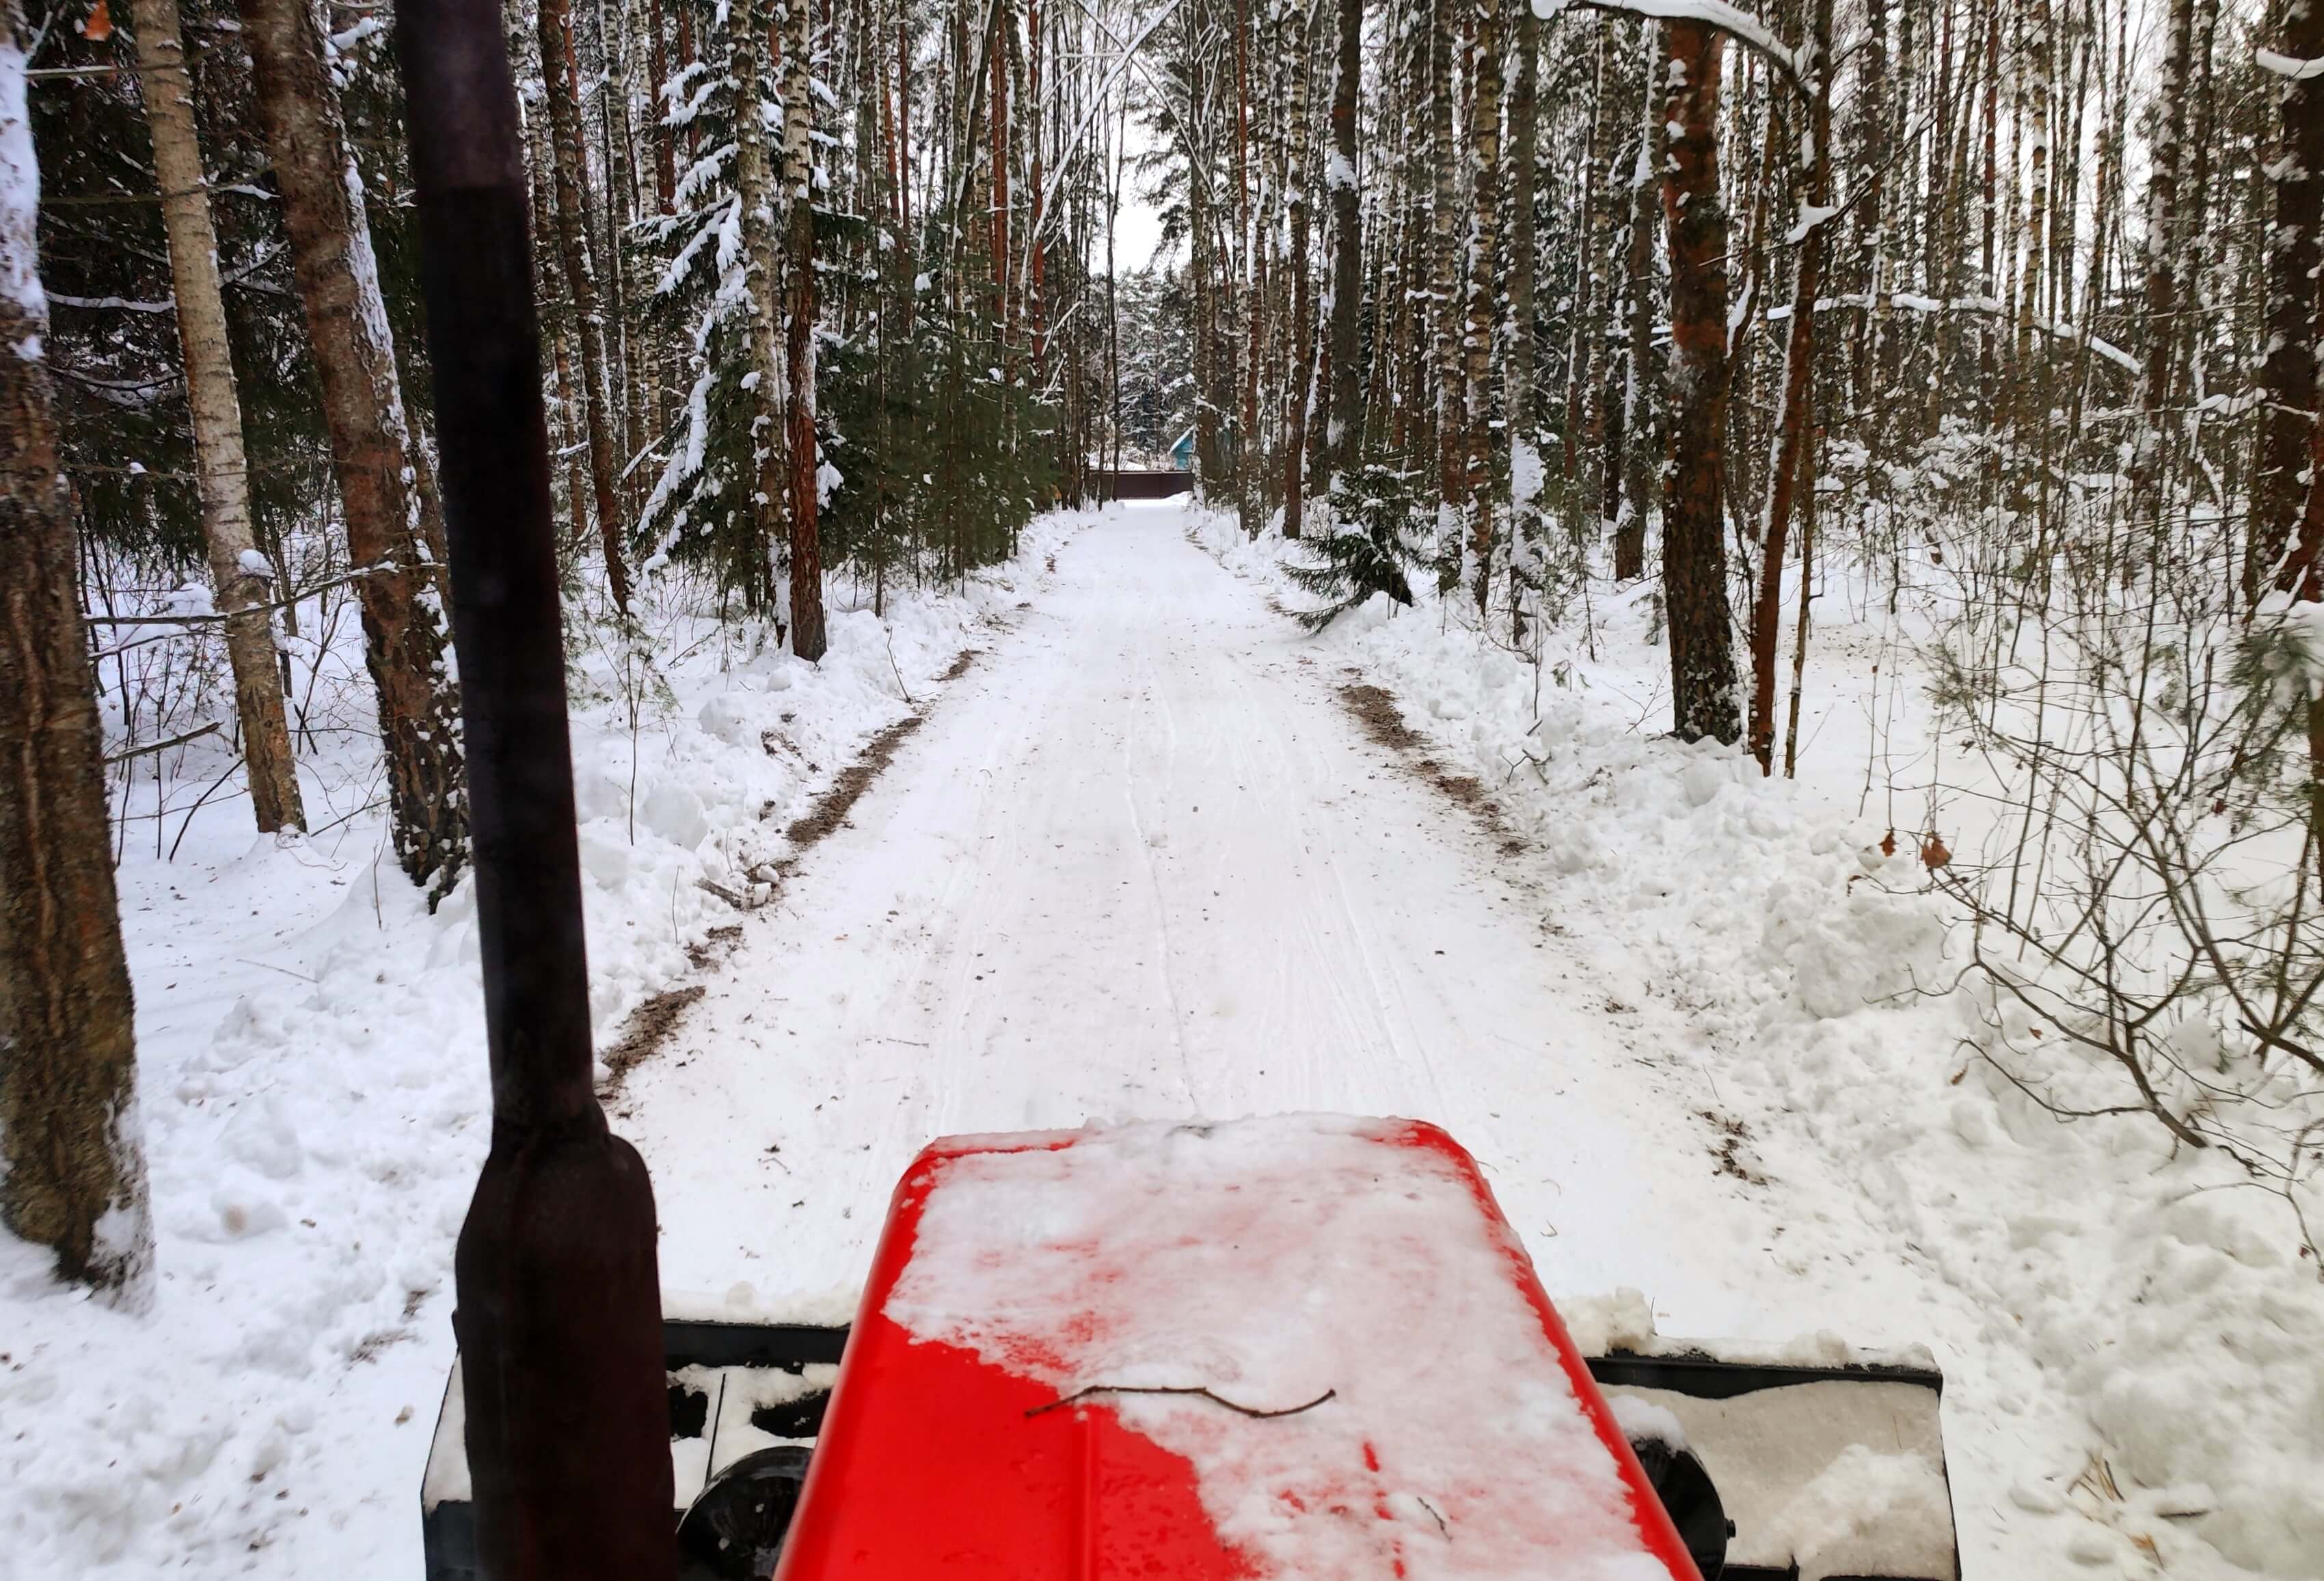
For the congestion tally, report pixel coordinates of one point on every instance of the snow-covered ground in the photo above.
(313, 1090)
(1141, 861)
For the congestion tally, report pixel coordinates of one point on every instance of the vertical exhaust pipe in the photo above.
(558, 1313)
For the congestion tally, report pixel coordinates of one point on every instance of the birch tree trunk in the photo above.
(238, 572)
(1344, 436)
(557, 70)
(807, 638)
(2168, 150)
(391, 514)
(72, 1170)
(1630, 460)
(1695, 541)
(1484, 294)
(1444, 276)
(754, 185)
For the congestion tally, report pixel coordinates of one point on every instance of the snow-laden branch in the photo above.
(2289, 67)
(1731, 20)
(1099, 103)
(1986, 307)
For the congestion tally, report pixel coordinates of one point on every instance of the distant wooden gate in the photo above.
(1126, 484)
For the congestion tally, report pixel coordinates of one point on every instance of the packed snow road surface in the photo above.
(1141, 862)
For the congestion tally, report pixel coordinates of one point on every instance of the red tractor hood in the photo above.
(1306, 1347)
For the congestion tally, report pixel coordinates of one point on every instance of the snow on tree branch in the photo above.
(1734, 22)
(2289, 67)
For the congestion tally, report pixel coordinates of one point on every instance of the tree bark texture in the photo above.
(1445, 273)
(391, 513)
(1485, 295)
(1294, 448)
(1795, 398)
(581, 285)
(754, 184)
(2287, 374)
(1695, 527)
(807, 637)
(1344, 436)
(72, 1174)
(238, 573)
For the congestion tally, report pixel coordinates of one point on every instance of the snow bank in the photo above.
(2130, 1337)
(312, 1080)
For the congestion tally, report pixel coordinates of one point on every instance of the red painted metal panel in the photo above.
(935, 1463)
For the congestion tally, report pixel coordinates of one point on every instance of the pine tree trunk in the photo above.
(557, 73)
(1694, 527)
(2287, 374)
(807, 637)
(236, 569)
(1484, 294)
(372, 448)
(1344, 436)
(72, 1171)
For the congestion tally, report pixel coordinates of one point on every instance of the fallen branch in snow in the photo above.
(1078, 1395)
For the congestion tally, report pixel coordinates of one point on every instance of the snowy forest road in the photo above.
(1141, 862)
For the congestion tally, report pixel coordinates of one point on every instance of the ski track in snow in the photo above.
(1140, 863)
(1143, 863)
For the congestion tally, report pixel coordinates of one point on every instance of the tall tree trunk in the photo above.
(1444, 276)
(1584, 331)
(2032, 351)
(1524, 150)
(1294, 450)
(238, 571)
(1484, 292)
(1793, 420)
(754, 184)
(1694, 527)
(1250, 287)
(625, 355)
(2168, 145)
(572, 428)
(72, 1170)
(389, 510)
(557, 73)
(1631, 460)
(2287, 375)
(1202, 266)
(807, 637)
(665, 149)
(1344, 436)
